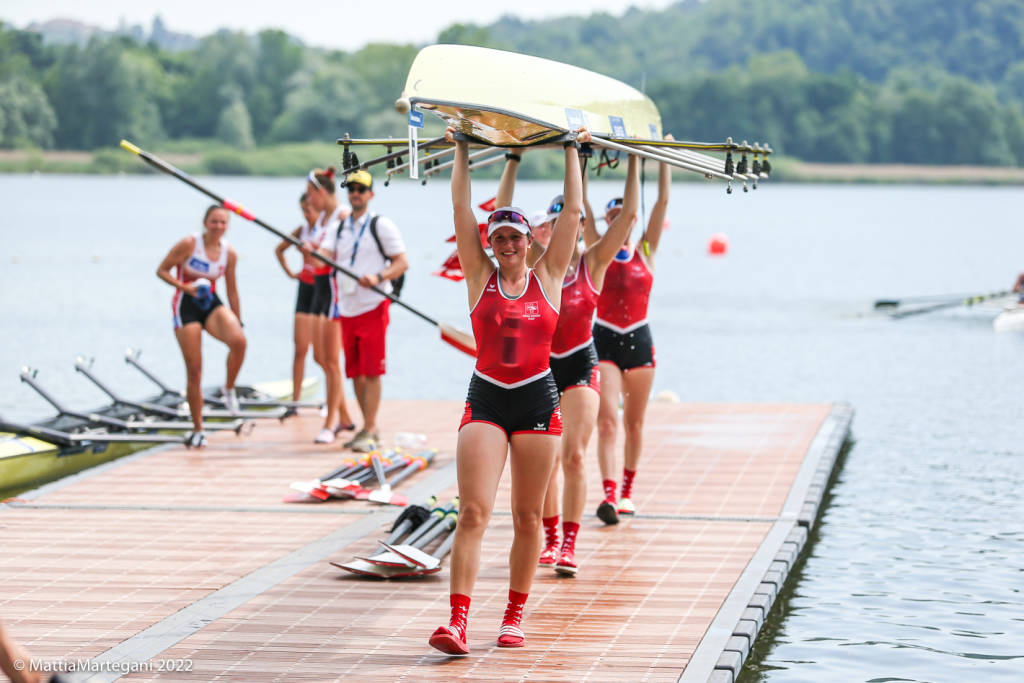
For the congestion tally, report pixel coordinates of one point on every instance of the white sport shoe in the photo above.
(231, 400)
(196, 440)
(325, 436)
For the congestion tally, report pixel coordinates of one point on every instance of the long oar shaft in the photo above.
(162, 165)
(969, 301)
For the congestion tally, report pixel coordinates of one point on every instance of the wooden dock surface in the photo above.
(174, 556)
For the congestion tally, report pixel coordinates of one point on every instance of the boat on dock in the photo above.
(72, 440)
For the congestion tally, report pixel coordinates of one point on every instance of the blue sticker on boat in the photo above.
(618, 126)
(654, 131)
(415, 118)
(575, 118)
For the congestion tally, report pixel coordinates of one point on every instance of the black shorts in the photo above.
(634, 349)
(578, 369)
(189, 311)
(321, 304)
(304, 300)
(530, 409)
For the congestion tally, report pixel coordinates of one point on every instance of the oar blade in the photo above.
(461, 340)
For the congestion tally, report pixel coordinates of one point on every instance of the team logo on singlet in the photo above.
(199, 265)
(532, 310)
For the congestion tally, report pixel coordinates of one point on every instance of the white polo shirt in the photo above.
(354, 248)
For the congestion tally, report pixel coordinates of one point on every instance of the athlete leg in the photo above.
(480, 458)
(533, 458)
(608, 418)
(303, 335)
(190, 339)
(317, 338)
(367, 390)
(224, 326)
(331, 345)
(579, 413)
(636, 390)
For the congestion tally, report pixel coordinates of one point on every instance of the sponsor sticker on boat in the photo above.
(575, 118)
(415, 118)
(618, 126)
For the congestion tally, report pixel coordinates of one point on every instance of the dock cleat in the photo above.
(626, 507)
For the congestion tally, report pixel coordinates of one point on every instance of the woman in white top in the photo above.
(320, 193)
(199, 261)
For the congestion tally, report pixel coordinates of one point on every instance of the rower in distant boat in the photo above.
(200, 260)
(625, 348)
(1018, 287)
(307, 321)
(320, 188)
(512, 402)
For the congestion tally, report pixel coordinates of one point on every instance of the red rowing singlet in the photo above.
(513, 334)
(622, 305)
(575, 315)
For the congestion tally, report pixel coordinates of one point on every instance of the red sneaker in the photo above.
(510, 636)
(548, 557)
(607, 512)
(447, 640)
(567, 563)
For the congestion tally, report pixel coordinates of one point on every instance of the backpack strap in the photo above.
(376, 238)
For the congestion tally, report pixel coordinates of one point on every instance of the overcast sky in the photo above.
(342, 24)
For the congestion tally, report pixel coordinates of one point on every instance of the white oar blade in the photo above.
(414, 556)
(362, 568)
(387, 559)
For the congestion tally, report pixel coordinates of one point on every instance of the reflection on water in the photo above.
(918, 564)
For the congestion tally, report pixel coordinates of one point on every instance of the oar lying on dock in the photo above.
(389, 565)
(411, 556)
(343, 487)
(384, 494)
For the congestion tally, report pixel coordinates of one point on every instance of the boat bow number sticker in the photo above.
(618, 127)
(575, 118)
(415, 123)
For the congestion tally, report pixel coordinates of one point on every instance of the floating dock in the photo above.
(186, 565)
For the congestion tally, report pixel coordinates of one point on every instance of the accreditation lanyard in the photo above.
(359, 237)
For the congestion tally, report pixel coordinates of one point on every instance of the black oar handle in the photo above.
(162, 165)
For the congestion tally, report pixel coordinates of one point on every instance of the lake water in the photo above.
(918, 568)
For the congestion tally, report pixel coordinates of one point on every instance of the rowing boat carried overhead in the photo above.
(505, 99)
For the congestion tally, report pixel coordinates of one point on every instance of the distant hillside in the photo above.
(74, 32)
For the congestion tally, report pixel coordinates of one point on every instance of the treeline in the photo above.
(918, 81)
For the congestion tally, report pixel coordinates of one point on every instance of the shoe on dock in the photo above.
(325, 436)
(364, 442)
(196, 440)
(566, 564)
(626, 507)
(607, 512)
(447, 640)
(548, 557)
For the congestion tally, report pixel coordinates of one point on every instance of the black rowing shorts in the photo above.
(321, 295)
(634, 349)
(304, 300)
(578, 369)
(189, 310)
(530, 409)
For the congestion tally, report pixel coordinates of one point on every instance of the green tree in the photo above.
(26, 117)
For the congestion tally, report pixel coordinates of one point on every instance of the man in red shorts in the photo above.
(370, 246)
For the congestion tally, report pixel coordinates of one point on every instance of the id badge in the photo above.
(348, 285)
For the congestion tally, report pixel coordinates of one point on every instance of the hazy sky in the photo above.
(329, 23)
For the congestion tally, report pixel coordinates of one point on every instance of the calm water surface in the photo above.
(919, 564)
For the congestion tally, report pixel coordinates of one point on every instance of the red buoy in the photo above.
(718, 244)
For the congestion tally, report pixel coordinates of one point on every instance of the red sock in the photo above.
(514, 610)
(610, 486)
(460, 613)
(627, 482)
(550, 530)
(569, 531)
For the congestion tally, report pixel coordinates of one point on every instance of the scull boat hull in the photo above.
(1010, 320)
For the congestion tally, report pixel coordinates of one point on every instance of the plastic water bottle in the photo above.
(409, 440)
(204, 293)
